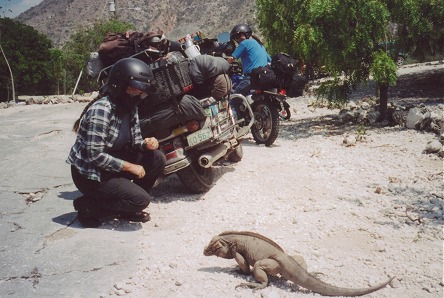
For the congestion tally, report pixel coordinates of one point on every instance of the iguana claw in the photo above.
(252, 285)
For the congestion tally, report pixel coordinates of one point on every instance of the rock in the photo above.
(434, 126)
(433, 146)
(118, 286)
(120, 292)
(349, 140)
(38, 99)
(361, 116)
(373, 117)
(352, 105)
(365, 105)
(83, 99)
(399, 117)
(48, 100)
(63, 98)
(384, 123)
(417, 118)
(346, 116)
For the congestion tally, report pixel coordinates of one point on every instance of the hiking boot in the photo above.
(89, 216)
(140, 216)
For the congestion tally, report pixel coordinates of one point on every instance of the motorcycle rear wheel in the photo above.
(196, 178)
(265, 129)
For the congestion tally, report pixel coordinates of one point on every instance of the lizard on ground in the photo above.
(268, 258)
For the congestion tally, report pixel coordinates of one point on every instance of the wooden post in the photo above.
(78, 79)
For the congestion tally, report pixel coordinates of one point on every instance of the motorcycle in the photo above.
(237, 75)
(269, 105)
(192, 147)
(192, 133)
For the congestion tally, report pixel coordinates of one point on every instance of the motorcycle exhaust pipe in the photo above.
(206, 160)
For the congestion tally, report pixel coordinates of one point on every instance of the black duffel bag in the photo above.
(297, 86)
(263, 78)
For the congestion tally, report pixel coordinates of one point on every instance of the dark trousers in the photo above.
(243, 87)
(116, 191)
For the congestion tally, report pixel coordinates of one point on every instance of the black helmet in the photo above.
(130, 72)
(241, 28)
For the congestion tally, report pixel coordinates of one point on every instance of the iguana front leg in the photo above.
(261, 270)
(243, 264)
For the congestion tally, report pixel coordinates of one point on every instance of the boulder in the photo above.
(433, 146)
(414, 118)
(349, 140)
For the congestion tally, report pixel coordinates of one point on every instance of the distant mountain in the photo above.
(59, 19)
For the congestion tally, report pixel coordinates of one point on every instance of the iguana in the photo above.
(268, 258)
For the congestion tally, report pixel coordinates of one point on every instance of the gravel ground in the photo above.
(358, 214)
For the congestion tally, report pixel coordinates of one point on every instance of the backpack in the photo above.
(263, 78)
(116, 46)
(297, 86)
(283, 65)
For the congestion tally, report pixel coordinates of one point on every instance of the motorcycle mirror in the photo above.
(223, 37)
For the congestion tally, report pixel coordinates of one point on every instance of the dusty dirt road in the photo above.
(357, 214)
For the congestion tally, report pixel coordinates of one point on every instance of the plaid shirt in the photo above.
(99, 128)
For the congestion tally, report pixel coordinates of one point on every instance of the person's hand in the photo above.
(151, 143)
(137, 170)
(230, 60)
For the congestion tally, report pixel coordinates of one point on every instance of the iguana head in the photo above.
(218, 247)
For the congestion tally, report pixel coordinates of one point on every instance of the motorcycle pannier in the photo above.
(297, 86)
(172, 76)
(262, 78)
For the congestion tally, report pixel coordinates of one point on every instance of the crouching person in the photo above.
(111, 164)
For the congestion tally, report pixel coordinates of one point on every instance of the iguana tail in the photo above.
(292, 271)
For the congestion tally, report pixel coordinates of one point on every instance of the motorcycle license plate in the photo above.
(199, 136)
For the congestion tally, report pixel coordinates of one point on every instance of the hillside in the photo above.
(59, 19)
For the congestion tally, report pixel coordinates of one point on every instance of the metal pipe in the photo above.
(206, 160)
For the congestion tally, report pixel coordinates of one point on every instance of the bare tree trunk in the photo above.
(383, 100)
(10, 72)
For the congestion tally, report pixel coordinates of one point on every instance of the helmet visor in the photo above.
(145, 87)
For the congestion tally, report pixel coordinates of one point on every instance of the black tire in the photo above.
(237, 154)
(316, 73)
(196, 178)
(266, 123)
(399, 61)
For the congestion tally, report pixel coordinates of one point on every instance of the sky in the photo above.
(12, 8)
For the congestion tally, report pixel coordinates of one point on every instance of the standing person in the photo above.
(109, 151)
(252, 53)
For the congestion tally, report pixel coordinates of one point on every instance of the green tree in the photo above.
(28, 53)
(420, 26)
(345, 36)
(81, 44)
(58, 60)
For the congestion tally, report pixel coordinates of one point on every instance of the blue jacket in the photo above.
(252, 55)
